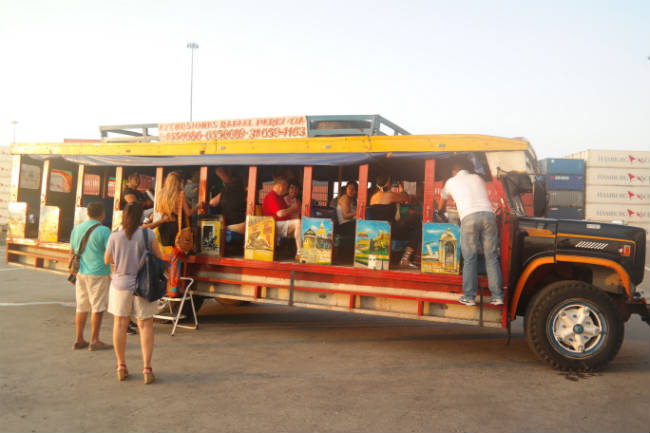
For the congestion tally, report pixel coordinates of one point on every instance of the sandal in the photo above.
(122, 372)
(148, 375)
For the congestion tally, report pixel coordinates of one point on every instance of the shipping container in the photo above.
(567, 182)
(618, 176)
(566, 213)
(566, 198)
(614, 158)
(617, 194)
(562, 166)
(620, 212)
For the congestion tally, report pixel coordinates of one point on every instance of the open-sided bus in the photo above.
(574, 281)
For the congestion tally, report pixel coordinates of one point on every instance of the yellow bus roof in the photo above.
(317, 145)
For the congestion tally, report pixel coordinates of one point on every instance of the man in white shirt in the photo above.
(477, 224)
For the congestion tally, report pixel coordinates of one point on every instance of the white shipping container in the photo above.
(617, 212)
(617, 194)
(617, 176)
(614, 158)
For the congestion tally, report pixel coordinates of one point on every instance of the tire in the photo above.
(573, 326)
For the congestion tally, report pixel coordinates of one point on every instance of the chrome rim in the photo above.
(577, 329)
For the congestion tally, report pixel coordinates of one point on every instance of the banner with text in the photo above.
(236, 129)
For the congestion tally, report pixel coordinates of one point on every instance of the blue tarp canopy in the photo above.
(328, 159)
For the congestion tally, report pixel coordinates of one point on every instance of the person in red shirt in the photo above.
(275, 206)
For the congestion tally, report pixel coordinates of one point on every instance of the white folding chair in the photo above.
(175, 318)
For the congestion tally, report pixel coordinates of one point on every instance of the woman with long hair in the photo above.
(124, 250)
(169, 200)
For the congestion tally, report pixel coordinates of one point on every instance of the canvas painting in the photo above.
(17, 219)
(317, 241)
(80, 215)
(372, 244)
(211, 236)
(260, 238)
(48, 230)
(441, 248)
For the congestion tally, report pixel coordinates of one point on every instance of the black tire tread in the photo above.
(544, 300)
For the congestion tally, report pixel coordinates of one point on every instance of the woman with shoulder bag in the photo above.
(124, 250)
(173, 206)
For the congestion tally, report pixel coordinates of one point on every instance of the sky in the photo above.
(566, 75)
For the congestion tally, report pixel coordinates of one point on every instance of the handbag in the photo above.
(151, 282)
(184, 238)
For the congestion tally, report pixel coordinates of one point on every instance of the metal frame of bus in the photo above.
(396, 293)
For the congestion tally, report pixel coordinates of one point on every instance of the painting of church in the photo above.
(317, 241)
(372, 244)
(441, 248)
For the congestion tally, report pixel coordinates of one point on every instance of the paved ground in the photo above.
(265, 368)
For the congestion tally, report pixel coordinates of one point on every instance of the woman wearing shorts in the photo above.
(124, 250)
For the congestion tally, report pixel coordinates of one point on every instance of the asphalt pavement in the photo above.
(259, 368)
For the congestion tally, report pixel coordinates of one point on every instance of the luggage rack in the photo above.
(188, 293)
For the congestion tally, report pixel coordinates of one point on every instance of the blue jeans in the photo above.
(480, 227)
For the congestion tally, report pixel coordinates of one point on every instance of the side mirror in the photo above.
(540, 200)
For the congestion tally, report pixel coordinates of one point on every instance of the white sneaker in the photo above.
(496, 301)
(467, 301)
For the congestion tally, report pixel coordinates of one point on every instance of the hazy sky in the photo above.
(566, 75)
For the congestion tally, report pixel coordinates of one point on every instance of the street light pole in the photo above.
(14, 122)
(192, 46)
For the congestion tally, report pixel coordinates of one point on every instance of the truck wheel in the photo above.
(573, 326)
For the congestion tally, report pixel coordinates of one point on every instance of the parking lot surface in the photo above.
(273, 368)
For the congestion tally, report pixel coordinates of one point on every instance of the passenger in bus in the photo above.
(346, 210)
(384, 206)
(275, 206)
(170, 200)
(192, 189)
(478, 227)
(131, 192)
(231, 201)
(292, 199)
(124, 249)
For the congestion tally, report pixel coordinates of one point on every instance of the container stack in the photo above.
(565, 186)
(618, 186)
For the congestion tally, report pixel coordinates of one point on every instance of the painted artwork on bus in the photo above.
(441, 248)
(260, 238)
(211, 235)
(17, 219)
(60, 180)
(80, 215)
(372, 244)
(317, 241)
(48, 230)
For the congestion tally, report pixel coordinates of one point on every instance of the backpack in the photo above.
(75, 261)
(151, 282)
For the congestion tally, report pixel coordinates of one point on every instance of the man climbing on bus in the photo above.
(477, 225)
(275, 206)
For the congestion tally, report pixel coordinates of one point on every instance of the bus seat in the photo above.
(233, 236)
(323, 212)
(397, 245)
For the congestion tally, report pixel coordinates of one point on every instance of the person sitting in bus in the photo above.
(293, 198)
(170, 200)
(384, 206)
(346, 210)
(192, 189)
(231, 201)
(275, 206)
(131, 193)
